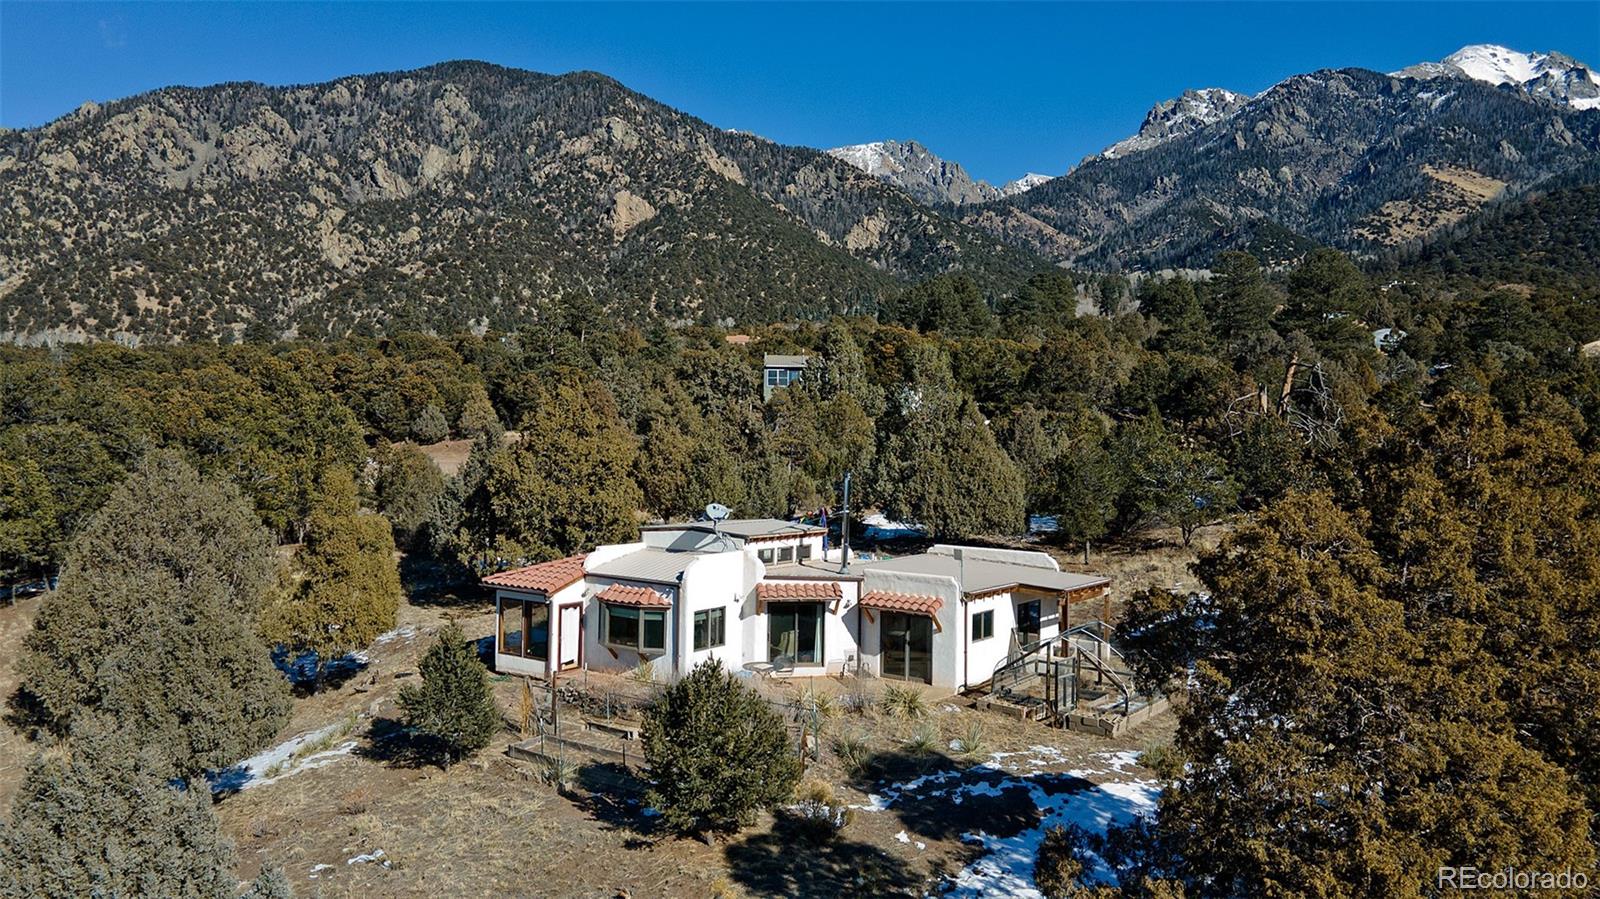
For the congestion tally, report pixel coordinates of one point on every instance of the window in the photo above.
(983, 625)
(794, 631)
(786, 554)
(765, 555)
(524, 629)
(804, 552)
(642, 630)
(709, 628)
(511, 627)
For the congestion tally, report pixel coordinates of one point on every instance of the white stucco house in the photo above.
(762, 592)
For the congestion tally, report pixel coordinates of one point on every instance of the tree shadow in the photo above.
(613, 794)
(439, 584)
(787, 862)
(26, 714)
(940, 798)
(301, 670)
(396, 745)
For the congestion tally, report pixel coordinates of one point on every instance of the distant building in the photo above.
(781, 371)
(763, 594)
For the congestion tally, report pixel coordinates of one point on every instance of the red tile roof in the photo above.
(545, 577)
(782, 590)
(644, 597)
(914, 603)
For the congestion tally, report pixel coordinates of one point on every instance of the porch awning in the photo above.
(545, 577)
(797, 591)
(910, 603)
(825, 591)
(642, 597)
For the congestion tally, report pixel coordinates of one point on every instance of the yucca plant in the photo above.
(904, 702)
(972, 738)
(924, 739)
(853, 752)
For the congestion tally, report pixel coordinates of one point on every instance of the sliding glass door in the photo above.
(794, 632)
(906, 646)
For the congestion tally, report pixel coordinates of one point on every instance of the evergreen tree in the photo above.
(940, 465)
(453, 709)
(565, 487)
(478, 418)
(430, 425)
(270, 884)
(1242, 306)
(105, 819)
(409, 486)
(28, 520)
(716, 753)
(350, 589)
(1175, 306)
(155, 622)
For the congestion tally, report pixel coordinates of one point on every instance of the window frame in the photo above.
(765, 555)
(640, 616)
(982, 621)
(785, 554)
(712, 626)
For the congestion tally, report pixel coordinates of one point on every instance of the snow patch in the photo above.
(286, 758)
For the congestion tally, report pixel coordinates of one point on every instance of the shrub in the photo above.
(1057, 869)
(853, 751)
(904, 702)
(454, 708)
(644, 672)
(715, 753)
(819, 814)
(559, 772)
(972, 738)
(924, 740)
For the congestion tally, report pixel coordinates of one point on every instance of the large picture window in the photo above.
(710, 626)
(641, 630)
(794, 632)
(524, 629)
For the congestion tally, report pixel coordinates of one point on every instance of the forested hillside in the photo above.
(1349, 158)
(461, 195)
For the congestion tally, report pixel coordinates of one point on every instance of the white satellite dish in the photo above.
(718, 512)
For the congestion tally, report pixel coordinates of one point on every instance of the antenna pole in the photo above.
(844, 529)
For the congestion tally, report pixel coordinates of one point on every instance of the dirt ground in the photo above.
(356, 817)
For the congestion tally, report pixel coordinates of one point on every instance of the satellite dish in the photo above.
(718, 512)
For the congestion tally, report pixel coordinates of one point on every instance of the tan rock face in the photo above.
(630, 211)
(867, 234)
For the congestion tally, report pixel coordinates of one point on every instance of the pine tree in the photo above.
(155, 622)
(716, 753)
(270, 884)
(478, 418)
(107, 820)
(351, 587)
(453, 709)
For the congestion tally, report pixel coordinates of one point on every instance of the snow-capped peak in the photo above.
(1555, 76)
(1024, 184)
(873, 158)
(1187, 112)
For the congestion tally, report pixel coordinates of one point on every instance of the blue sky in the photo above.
(1001, 88)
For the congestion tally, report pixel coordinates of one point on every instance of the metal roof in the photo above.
(743, 528)
(986, 575)
(655, 565)
(779, 360)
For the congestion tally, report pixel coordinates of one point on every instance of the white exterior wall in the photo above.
(512, 664)
(948, 636)
(984, 655)
(718, 581)
(602, 657)
(839, 638)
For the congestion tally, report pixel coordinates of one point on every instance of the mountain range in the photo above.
(469, 195)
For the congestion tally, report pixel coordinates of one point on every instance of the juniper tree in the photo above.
(28, 520)
(409, 486)
(155, 621)
(453, 709)
(716, 753)
(105, 819)
(350, 589)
